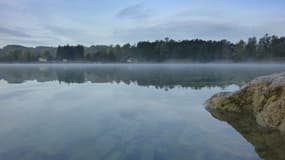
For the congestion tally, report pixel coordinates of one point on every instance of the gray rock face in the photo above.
(263, 97)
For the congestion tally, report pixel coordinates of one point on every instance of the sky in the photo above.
(91, 22)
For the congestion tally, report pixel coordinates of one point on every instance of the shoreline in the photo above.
(151, 63)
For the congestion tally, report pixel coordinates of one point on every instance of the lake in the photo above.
(128, 112)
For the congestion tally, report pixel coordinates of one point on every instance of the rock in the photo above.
(263, 97)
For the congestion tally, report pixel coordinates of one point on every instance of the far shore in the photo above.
(245, 64)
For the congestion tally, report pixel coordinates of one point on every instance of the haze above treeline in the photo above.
(267, 48)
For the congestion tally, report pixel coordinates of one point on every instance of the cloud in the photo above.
(75, 35)
(188, 30)
(61, 30)
(12, 32)
(65, 34)
(137, 11)
(203, 13)
(36, 23)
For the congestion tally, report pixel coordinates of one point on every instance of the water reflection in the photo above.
(160, 76)
(106, 114)
(268, 144)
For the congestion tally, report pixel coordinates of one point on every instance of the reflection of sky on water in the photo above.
(113, 120)
(119, 112)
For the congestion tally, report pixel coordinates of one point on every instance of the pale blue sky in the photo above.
(88, 22)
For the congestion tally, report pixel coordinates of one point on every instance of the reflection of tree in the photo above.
(268, 144)
(159, 77)
(70, 76)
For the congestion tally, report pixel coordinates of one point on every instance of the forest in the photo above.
(267, 48)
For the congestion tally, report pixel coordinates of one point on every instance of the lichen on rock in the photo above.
(263, 97)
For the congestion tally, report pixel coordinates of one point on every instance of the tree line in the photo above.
(267, 48)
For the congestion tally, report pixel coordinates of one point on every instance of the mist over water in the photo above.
(129, 111)
(186, 75)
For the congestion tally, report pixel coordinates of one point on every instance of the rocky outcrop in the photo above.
(264, 98)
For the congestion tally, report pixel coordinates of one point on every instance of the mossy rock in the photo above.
(263, 97)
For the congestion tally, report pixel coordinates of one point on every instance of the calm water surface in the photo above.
(127, 112)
